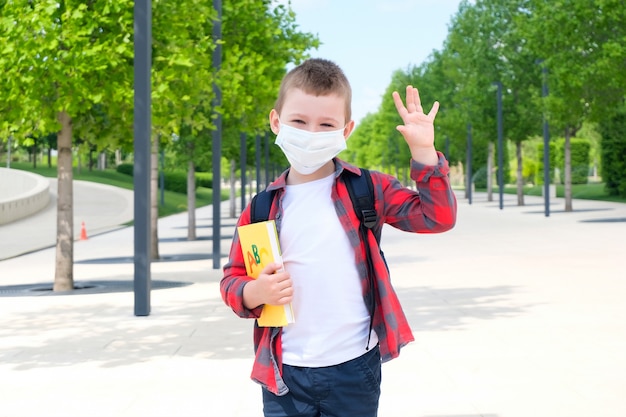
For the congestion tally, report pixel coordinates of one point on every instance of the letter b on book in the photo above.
(260, 246)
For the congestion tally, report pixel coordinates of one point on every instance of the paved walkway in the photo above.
(101, 207)
(515, 315)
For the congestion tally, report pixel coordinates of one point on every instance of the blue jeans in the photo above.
(349, 389)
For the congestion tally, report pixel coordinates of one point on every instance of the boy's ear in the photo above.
(348, 129)
(274, 121)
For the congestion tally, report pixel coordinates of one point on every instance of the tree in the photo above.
(62, 58)
(182, 78)
(578, 42)
(261, 39)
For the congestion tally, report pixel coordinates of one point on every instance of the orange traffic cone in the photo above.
(83, 232)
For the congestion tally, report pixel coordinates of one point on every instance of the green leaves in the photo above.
(58, 56)
(260, 40)
(77, 56)
(580, 43)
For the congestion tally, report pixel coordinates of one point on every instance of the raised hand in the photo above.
(418, 129)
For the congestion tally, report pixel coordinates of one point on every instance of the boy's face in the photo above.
(312, 113)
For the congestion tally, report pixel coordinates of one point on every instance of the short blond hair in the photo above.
(319, 77)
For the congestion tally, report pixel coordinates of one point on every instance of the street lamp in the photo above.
(469, 163)
(217, 136)
(243, 155)
(500, 144)
(546, 146)
(142, 125)
(258, 162)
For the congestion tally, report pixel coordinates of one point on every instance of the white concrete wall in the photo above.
(21, 194)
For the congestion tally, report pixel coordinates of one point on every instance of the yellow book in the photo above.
(260, 246)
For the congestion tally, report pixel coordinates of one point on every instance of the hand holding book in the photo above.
(272, 286)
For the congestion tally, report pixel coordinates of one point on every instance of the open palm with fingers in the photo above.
(418, 128)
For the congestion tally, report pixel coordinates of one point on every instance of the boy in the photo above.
(328, 363)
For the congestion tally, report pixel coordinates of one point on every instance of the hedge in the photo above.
(175, 181)
(579, 150)
(614, 154)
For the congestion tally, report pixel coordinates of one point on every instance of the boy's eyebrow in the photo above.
(305, 116)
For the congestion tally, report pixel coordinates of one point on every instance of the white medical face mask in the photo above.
(309, 151)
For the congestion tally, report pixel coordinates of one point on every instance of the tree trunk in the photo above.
(64, 266)
(154, 200)
(102, 161)
(79, 163)
(520, 174)
(191, 201)
(568, 172)
(233, 191)
(91, 149)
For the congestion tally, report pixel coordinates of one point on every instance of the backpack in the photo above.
(361, 191)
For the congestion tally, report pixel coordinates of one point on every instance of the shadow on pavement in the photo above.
(429, 308)
(109, 335)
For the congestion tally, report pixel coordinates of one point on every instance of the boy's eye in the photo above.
(298, 121)
(327, 125)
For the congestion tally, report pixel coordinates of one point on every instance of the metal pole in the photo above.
(217, 137)
(258, 162)
(266, 148)
(141, 175)
(546, 148)
(500, 145)
(469, 163)
(243, 163)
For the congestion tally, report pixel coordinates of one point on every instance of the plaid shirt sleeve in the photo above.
(430, 209)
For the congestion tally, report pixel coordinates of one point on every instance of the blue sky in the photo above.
(370, 39)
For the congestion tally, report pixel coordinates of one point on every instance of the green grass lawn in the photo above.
(174, 202)
(590, 191)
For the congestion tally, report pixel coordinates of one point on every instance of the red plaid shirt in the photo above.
(430, 209)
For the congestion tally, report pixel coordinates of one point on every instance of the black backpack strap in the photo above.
(260, 206)
(361, 190)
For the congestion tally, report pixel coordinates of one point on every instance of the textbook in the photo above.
(260, 246)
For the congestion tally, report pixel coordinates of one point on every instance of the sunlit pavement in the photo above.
(515, 314)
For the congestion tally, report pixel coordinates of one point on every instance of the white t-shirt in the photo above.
(332, 321)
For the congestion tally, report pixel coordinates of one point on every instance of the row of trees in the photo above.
(573, 47)
(68, 68)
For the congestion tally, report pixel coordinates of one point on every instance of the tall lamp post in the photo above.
(243, 155)
(546, 147)
(258, 162)
(217, 137)
(469, 163)
(500, 144)
(142, 125)
(266, 150)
